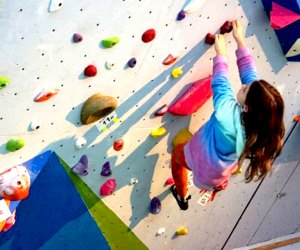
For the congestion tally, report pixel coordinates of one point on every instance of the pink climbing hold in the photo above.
(162, 110)
(108, 187)
(148, 35)
(169, 181)
(197, 94)
(90, 71)
(281, 17)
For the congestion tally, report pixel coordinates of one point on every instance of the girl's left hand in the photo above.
(220, 46)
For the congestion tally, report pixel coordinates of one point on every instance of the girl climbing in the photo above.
(249, 126)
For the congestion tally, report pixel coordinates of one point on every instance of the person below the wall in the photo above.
(249, 126)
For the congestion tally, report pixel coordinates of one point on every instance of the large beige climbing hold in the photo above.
(97, 107)
(182, 137)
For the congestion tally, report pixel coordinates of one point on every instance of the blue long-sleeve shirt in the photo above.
(213, 151)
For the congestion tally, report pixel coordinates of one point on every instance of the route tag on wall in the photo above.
(103, 124)
(4, 210)
(204, 199)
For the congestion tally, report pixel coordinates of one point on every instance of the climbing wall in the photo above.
(37, 52)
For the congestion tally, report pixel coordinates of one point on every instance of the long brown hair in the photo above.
(264, 129)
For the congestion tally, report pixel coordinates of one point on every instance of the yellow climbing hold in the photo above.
(182, 231)
(176, 72)
(158, 132)
(239, 170)
(182, 137)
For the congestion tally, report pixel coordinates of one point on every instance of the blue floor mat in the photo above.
(53, 216)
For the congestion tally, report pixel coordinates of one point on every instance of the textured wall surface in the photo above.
(37, 51)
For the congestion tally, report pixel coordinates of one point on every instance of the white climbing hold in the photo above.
(80, 142)
(193, 6)
(108, 65)
(55, 5)
(294, 50)
(35, 125)
(134, 181)
(160, 231)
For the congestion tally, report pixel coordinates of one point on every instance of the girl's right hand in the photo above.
(238, 33)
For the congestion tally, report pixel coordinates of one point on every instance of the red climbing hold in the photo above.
(170, 59)
(210, 39)
(118, 144)
(45, 94)
(193, 98)
(226, 27)
(169, 181)
(90, 71)
(148, 35)
(108, 187)
(162, 110)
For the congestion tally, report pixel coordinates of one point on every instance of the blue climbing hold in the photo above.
(155, 205)
(132, 62)
(106, 170)
(81, 168)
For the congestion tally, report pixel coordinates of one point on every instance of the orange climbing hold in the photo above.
(46, 94)
(297, 118)
(170, 59)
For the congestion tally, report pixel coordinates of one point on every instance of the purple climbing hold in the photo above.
(181, 15)
(106, 171)
(108, 187)
(132, 62)
(155, 205)
(77, 38)
(81, 168)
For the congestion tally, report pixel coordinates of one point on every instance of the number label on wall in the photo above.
(103, 124)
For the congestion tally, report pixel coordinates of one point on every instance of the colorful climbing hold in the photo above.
(4, 81)
(77, 38)
(96, 107)
(55, 5)
(155, 205)
(181, 15)
(108, 187)
(118, 144)
(35, 125)
(46, 94)
(109, 65)
(80, 142)
(162, 110)
(169, 181)
(131, 63)
(106, 170)
(176, 72)
(226, 27)
(14, 144)
(110, 42)
(210, 39)
(182, 137)
(148, 35)
(197, 94)
(90, 71)
(160, 231)
(81, 168)
(193, 6)
(170, 59)
(134, 181)
(182, 231)
(158, 132)
(297, 118)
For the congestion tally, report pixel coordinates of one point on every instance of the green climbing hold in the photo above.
(110, 42)
(15, 144)
(4, 81)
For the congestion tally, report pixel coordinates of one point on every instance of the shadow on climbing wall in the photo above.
(260, 25)
(131, 166)
(48, 217)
